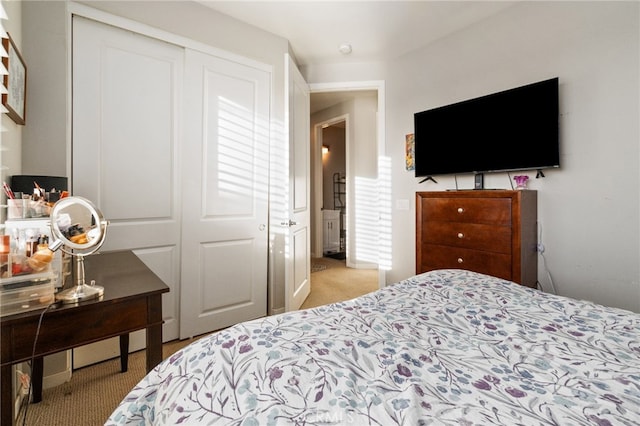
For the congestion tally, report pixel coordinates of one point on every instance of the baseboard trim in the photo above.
(57, 379)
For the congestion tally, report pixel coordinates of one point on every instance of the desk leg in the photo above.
(37, 372)
(154, 346)
(154, 332)
(6, 399)
(124, 352)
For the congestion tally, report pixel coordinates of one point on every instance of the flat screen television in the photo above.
(516, 129)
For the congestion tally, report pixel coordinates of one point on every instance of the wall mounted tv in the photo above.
(516, 129)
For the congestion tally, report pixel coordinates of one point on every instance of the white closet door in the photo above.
(126, 109)
(225, 193)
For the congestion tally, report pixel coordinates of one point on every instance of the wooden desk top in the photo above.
(122, 274)
(131, 301)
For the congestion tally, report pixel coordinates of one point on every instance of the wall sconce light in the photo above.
(325, 149)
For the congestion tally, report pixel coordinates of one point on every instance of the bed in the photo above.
(443, 347)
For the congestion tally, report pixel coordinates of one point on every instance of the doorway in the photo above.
(360, 106)
(334, 190)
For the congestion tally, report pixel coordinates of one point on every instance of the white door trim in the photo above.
(384, 175)
(319, 182)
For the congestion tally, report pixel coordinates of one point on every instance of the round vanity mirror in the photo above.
(78, 225)
(79, 229)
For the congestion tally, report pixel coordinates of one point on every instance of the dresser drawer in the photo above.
(443, 257)
(468, 235)
(492, 211)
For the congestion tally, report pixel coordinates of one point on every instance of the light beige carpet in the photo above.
(94, 392)
(337, 282)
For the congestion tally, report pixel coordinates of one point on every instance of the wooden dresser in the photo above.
(489, 231)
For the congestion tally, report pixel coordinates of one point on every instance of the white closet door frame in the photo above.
(126, 24)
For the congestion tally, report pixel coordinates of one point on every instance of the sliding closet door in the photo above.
(125, 145)
(225, 193)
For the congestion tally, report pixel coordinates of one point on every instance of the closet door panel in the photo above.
(137, 121)
(225, 188)
(125, 145)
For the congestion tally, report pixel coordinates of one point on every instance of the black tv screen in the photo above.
(516, 129)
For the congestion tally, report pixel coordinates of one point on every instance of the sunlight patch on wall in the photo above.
(372, 217)
(385, 260)
(239, 158)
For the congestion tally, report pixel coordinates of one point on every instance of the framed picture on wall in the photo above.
(15, 82)
(409, 152)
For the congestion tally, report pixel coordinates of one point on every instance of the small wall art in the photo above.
(409, 156)
(15, 82)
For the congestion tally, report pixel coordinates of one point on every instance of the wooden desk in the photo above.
(132, 301)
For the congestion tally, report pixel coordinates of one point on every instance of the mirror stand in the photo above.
(82, 291)
(79, 230)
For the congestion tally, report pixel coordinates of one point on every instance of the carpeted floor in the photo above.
(323, 263)
(336, 282)
(94, 392)
(317, 267)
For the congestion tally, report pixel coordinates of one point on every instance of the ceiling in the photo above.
(376, 30)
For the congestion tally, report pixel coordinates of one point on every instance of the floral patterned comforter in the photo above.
(445, 347)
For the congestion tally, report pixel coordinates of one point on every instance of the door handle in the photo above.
(290, 223)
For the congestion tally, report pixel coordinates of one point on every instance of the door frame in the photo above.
(384, 175)
(318, 178)
(186, 42)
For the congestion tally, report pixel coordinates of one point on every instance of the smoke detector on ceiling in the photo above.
(345, 48)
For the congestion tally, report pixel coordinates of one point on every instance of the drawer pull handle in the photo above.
(460, 235)
(460, 260)
(460, 210)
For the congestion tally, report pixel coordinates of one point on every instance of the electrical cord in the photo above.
(540, 249)
(553, 287)
(33, 357)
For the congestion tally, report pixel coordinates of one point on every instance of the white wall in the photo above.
(589, 210)
(45, 147)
